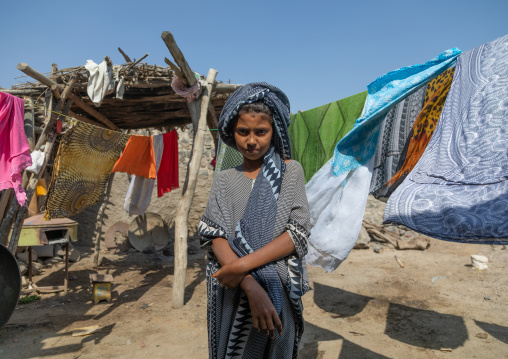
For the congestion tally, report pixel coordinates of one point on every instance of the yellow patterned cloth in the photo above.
(82, 167)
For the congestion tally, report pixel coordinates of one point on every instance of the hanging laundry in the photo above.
(314, 133)
(227, 157)
(336, 207)
(140, 189)
(100, 81)
(359, 145)
(14, 147)
(167, 175)
(393, 135)
(458, 190)
(190, 93)
(37, 161)
(82, 168)
(337, 201)
(138, 157)
(423, 128)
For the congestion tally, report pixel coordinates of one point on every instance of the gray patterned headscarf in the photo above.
(273, 98)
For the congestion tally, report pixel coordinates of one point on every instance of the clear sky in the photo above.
(315, 51)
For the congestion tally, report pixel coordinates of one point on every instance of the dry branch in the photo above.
(127, 58)
(188, 75)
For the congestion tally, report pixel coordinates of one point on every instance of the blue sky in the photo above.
(315, 51)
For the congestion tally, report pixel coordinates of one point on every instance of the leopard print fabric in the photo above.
(423, 128)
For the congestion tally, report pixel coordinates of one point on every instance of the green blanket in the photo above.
(314, 133)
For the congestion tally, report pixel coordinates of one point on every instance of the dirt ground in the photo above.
(437, 306)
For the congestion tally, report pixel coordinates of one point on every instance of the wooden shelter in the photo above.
(149, 102)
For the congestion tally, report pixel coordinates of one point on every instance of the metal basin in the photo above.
(10, 284)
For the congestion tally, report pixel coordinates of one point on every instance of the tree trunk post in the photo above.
(182, 214)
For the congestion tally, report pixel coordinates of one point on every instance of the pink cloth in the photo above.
(190, 93)
(14, 147)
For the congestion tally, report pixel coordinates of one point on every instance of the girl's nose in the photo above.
(251, 140)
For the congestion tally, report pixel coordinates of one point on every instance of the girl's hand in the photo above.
(231, 274)
(264, 316)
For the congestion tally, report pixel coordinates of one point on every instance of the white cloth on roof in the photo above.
(120, 87)
(100, 81)
(140, 189)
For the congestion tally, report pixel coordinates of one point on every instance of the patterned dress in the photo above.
(230, 333)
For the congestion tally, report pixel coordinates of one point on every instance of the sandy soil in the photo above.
(369, 307)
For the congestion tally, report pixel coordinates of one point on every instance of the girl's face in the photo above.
(253, 135)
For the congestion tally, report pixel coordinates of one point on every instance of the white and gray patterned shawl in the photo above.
(393, 136)
(458, 191)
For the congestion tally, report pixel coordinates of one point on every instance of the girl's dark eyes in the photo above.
(246, 132)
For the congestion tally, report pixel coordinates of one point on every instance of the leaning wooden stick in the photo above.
(182, 214)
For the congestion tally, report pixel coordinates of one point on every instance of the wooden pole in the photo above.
(29, 122)
(100, 217)
(182, 214)
(127, 58)
(174, 67)
(87, 120)
(21, 92)
(226, 88)
(77, 100)
(5, 197)
(137, 62)
(5, 202)
(188, 75)
(50, 121)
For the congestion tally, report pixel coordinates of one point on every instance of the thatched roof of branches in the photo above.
(148, 100)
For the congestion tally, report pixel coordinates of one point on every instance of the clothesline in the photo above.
(55, 112)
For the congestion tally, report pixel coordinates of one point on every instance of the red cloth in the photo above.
(167, 176)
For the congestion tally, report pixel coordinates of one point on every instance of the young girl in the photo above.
(256, 225)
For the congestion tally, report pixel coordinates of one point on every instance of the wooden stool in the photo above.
(101, 287)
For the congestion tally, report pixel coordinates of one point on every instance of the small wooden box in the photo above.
(101, 287)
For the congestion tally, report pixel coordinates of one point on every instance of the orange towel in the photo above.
(138, 157)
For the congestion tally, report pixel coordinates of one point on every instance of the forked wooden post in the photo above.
(183, 71)
(100, 217)
(182, 214)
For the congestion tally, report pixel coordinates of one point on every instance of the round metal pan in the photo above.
(10, 284)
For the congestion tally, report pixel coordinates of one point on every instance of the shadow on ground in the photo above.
(425, 328)
(61, 312)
